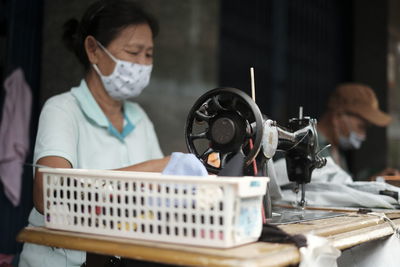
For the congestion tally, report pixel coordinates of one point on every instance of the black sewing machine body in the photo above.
(300, 143)
(226, 121)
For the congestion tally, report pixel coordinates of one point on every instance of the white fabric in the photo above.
(318, 252)
(339, 195)
(372, 254)
(373, 187)
(332, 186)
(207, 196)
(184, 164)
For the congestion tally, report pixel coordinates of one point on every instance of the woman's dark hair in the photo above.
(104, 20)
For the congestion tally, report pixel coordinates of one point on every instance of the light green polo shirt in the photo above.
(73, 126)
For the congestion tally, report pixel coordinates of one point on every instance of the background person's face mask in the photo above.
(127, 79)
(353, 141)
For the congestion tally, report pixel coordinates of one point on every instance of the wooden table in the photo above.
(345, 232)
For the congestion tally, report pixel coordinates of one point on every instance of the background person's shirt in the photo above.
(339, 159)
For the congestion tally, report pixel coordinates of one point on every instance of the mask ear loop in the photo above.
(108, 53)
(347, 123)
(351, 130)
(336, 121)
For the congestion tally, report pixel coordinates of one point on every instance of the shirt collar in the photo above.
(128, 127)
(93, 112)
(89, 105)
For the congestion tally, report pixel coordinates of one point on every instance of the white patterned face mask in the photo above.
(127, 80)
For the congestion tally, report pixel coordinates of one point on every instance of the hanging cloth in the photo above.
(14, 134)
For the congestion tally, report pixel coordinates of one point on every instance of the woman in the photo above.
(93, 126)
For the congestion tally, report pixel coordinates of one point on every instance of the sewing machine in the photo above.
(226, 121)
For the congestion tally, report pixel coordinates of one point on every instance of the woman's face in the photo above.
(134, 44)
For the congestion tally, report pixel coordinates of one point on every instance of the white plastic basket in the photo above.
(207, 211)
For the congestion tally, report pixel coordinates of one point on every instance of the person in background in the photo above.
(352, 107)
(94, 126)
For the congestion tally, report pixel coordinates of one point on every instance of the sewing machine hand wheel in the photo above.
(223, 122)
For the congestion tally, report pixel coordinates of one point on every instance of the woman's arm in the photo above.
(156, 165)
(50, 161)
